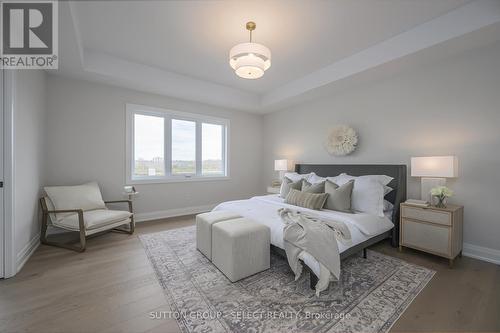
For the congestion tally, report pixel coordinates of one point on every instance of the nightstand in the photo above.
(273, 189)
(433, 230)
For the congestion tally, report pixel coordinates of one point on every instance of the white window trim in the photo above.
(132, 109)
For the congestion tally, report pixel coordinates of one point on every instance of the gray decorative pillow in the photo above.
(339, 198)
(314, 201)
(287, 185)
(313, 188)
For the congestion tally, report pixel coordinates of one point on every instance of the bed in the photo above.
(366, 229)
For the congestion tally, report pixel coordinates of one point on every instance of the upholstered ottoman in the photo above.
(204, 224)
(240, 248)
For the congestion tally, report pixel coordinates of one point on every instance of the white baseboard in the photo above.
(162, 214)
(27, 251)
(481, 253)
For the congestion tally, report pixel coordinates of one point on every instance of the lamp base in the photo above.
(427, 184)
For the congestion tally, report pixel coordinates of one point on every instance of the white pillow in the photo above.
(293, 176)
(368, 196)
(344, 177)
(315, 179)
(387, 189)
(382, 179)
(367, 193)
(340, 179)
(86, 196)
(388, 206)
(388, 209)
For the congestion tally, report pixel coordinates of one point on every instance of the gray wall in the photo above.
(449, 108)
(29, 159)
(86, 141)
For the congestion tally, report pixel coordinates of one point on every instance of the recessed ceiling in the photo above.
(194, 37)
(180, 48)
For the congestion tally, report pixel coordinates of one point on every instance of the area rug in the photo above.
(369, 297)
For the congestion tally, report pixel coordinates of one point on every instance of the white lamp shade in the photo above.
(245, 49)
(250, 60)
(434, 166)
(281, 165)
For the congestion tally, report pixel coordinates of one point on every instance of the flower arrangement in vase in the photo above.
(441, 193)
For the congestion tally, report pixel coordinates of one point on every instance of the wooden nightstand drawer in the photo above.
(429, 215)
(424, 236)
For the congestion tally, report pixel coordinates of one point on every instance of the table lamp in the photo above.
(282, 167)
(433, 170)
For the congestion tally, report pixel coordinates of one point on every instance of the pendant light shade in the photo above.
(250, 60)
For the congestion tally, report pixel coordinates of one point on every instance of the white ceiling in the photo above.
(194, 37)
(180, 48)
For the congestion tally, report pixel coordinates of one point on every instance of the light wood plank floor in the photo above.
(112, 288)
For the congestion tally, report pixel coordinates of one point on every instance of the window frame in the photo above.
(168, 115)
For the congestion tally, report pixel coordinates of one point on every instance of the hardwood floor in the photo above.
(112, 288)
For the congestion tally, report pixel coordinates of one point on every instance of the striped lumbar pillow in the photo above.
(307, 200)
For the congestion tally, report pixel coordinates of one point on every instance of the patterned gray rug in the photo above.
(370, 296)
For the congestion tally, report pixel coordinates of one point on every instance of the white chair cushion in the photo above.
(87, 197)
(94, 219)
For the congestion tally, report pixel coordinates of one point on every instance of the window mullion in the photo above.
(198, 149)
(167, 146)
(224, 151)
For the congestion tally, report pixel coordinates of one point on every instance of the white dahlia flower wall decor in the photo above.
(342, 140)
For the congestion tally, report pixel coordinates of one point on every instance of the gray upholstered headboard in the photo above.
(397, 171)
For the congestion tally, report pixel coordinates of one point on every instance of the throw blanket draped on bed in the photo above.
(318, 237)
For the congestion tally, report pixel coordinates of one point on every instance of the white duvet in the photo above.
(264, 210)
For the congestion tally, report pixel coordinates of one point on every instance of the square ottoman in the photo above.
(240, 248)
(204, 224)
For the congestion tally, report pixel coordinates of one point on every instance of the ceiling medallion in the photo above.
(250, 60)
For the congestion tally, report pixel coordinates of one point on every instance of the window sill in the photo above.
(176, 180)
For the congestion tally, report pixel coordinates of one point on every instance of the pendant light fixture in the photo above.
(250, 60)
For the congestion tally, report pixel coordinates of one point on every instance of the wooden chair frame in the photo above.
(81, 225)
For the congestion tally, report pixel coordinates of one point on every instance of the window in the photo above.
(183, 147)
(166, 146)
(211, 149)
(149, 148)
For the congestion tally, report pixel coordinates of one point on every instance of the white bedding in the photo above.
(264, 210)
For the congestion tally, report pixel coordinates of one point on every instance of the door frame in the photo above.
(2, 240)
(9, 94)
